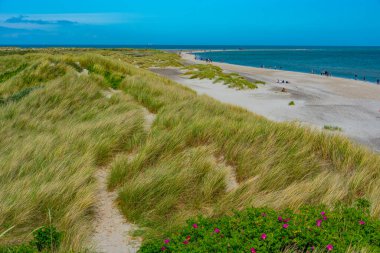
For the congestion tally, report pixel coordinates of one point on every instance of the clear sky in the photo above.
(200, 22)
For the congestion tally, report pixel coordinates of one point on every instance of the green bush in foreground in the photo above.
(266, 230)
(45, 239)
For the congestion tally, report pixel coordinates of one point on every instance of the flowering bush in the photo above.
(267, 230)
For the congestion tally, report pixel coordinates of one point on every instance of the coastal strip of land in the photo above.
(350, 106)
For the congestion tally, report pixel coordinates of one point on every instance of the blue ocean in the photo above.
(362, 63)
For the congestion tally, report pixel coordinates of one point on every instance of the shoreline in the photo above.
(267, 73)
(320, 101)
(190, 53)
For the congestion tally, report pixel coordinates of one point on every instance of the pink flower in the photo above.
(263, 236)
(216, 230)
(361, 222)
(166, 241)
(312, 248)
(329, 247)
(323, 213)
(319, 222)
(163, 248)
(285, 225)
(188, 238)
(195, 225)
(286, 220)
(279, 218)
(264, 214)
(186, 242)
(324, 218)
(253, 250)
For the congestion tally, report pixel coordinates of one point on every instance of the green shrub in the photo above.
(309, 229)
(46, 238)
(291, 103)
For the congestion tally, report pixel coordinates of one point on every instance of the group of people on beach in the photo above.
(208, 60)
(326, 73)
(283, 81)
(365, 79)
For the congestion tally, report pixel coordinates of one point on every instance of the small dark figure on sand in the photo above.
(356, 77)
(378, 81)
(364, 78)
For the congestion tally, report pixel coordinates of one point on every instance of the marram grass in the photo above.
(215, 73)
(199, 157)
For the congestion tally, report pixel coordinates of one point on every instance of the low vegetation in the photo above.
(45, 239)
(215, 73)
(292, 103)
(310, 229)
(332, 128)
(8, 74)
(145, 58)
(200, 157)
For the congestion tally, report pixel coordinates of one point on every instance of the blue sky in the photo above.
(201, 22)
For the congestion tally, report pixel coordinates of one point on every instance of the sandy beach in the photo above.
(354, 106)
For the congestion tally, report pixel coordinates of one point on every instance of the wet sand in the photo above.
(351, 105)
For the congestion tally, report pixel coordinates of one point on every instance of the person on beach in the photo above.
(378, 81)
(364, 78)
(356, 77)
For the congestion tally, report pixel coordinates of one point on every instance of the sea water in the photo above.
(362, 63)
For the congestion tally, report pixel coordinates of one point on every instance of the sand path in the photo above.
(351, 105)
(112, 231)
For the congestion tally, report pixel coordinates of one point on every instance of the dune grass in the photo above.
(277, 165)
(6, 75)
(52, 141)
(215, 73)
(333, 128)
(54, 138)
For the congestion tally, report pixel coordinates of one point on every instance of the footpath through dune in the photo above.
(112, 231)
